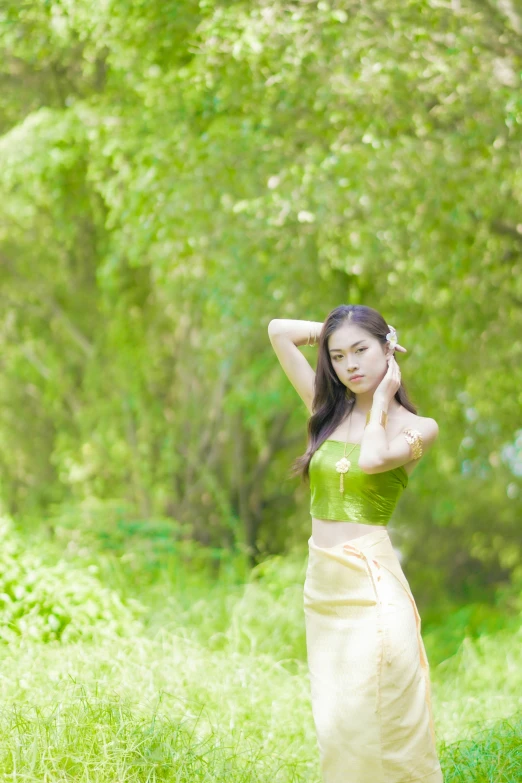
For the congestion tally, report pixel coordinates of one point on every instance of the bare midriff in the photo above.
(327, 532)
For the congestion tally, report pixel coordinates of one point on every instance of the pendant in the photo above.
(342, 467)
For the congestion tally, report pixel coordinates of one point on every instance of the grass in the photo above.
(161, 708)
(215, 688)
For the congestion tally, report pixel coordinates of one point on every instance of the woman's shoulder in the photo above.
(409, 419)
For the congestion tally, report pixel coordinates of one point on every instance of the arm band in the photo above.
(414, 438)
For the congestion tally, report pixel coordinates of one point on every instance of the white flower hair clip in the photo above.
(392, 337)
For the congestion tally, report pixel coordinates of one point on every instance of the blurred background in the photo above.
(174, 175)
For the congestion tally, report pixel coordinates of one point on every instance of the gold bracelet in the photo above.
(383, 417)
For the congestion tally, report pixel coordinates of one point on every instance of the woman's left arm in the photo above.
(410, 444)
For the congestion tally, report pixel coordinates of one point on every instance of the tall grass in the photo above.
(213, 686)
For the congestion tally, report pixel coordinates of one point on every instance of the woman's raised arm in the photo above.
(286, 335)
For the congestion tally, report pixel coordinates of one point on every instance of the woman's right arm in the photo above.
(286, 335)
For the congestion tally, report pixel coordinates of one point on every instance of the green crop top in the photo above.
(369, 498)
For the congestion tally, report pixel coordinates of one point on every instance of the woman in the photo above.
(369, 674)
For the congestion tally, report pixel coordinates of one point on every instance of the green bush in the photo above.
(50, 602)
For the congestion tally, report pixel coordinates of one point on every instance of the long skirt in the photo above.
(369, 673)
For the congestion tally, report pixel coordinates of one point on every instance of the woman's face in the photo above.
(354, 351)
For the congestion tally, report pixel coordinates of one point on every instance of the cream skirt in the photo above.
(369, 674)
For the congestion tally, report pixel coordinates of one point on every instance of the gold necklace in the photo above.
(344, 464)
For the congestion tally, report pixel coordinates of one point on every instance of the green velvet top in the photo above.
(368, 498)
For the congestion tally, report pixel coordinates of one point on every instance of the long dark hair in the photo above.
(332, 400)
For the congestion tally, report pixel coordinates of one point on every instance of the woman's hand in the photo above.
(391, 382)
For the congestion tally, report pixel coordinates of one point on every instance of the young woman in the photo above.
(369, 674)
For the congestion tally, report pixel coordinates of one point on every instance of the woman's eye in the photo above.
(358, 349)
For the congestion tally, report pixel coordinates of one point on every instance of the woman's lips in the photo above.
(356, 378)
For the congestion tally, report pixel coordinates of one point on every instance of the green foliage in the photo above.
(494, 753)
(107, 738)
(44, 602)
(174, 176)
(177, 701)
(264, 617)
